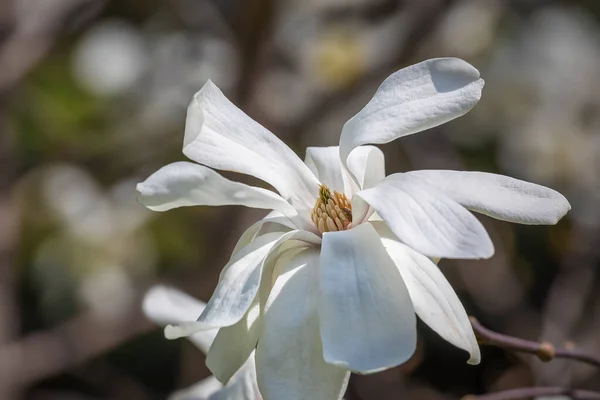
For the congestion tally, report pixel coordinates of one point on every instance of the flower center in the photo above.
(332, 212)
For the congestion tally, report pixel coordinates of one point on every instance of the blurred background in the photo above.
(92, 100)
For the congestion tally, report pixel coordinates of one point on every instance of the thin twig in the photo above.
(543, 350)
(533, 392)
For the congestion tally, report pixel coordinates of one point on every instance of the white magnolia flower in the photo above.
(165, 305)
(330, 282)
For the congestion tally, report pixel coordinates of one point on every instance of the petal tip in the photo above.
(452, 74)
(456, 66)
(208, 86)
(173, 332)
(487, 252)
(565, 207)
(140, 194)
(483, 251)
(561, 207)
(486, 248)
(139, 190)
(474, 356)
(474, 361)
(195, 112)
(151, 299)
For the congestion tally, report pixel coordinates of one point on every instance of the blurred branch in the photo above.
(533, 392)
(37, 25)
(544, 351)
(44, 354)
(252, 25)
(10, 219)
(9, 230)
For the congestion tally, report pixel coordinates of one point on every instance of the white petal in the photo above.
(413, 99)
(202, 390)
(432, 296)
(235, 343)
(325, 163)
(499, 196)
(221, 136)
(289, 356)
(427, 220)
(367, 319)
(240, 281)
(367, 164)
(164, 305)
(361, 210)
(242, 386)
(187, 184)
(272, 222)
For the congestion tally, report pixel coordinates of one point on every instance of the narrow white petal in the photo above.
(164, 305)
(367, 164)
(289, 356)
(413, 99)
(427, 220)
(361, 210)
(367, 319)
(202, 390)
(187, 184)
(221, 136)
(499, 196)
(243, 385)
(432, 296)
(234, 344)
(274, 222)
(240, 281)
(325, 163)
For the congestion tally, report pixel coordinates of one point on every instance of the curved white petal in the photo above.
(202, 390)
(427, 220)
(361, 211)
(221, 136)
(499, 196)
(367, 319)
(235, 343)
(367, 164)
(243, 385)
(289, 357)
(413, 99)
(433, 298)
(325, 163)
(187, 184)
(274, 222)
(240, 281)
(164, 305)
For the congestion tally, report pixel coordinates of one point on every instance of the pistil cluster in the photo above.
(332, 212)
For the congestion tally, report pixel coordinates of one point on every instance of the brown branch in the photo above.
(543, 350)
(533, 392)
